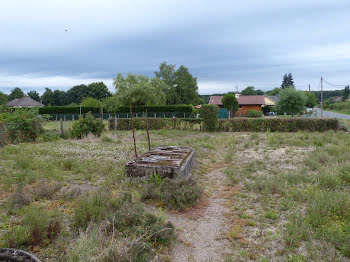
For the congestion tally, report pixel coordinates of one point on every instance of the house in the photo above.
(245, 103)
(24, 102)
(271, 100)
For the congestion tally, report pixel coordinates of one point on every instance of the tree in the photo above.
(181, 87)
(138, 90)
(346, 93)
(291, 101)
(16, 93)
(99, 91)
(77, 93)
(47, 97)
(287, 81)
(310, 99)
(89, 101)
(34, 95)
(230, 103)
(274, 92)
(59, 98)
(259, 92)
(249, 91)
(3, 98)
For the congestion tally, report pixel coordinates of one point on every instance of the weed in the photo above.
(271, 215)
(180, 193)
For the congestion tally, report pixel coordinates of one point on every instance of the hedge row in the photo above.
(278, 124)
(155, 123)
(233, 125)
(124, 109)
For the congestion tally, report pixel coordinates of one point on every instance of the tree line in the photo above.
(169, 86)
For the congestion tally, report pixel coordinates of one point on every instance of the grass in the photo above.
(288, 196)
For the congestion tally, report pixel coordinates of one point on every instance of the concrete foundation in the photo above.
(167, 161)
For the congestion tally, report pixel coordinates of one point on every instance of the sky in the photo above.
(226, 44)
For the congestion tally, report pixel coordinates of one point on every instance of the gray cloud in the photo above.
(223, 43)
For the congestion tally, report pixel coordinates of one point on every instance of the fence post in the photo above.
(133, 132)
(148, 138)
(61, 124)
(2, 135)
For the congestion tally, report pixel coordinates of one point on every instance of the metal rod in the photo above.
(147, 127)
(321, 97)
(133, 132)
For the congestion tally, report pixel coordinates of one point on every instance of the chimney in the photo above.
(237, 95)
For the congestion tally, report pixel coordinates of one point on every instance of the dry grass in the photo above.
(267, 181)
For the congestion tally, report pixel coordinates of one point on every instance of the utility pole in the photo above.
(321, 96)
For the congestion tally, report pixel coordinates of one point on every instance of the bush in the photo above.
(22, 125)
(254, 113)
(210, 117)
(92, 208)
(87, 125)
(180, 193)
(38, 226)
(278, 124)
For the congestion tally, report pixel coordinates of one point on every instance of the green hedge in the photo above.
(278, 124)
(124, 109)
(156, 123)
(233, 125)
(210, 117)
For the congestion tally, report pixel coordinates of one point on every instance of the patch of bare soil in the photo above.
(204, 237)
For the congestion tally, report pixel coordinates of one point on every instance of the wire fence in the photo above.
(106, 116)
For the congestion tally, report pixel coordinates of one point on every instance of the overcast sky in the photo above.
(224, 44)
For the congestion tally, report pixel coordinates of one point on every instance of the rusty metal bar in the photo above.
(133, 132)
(2, 135)
(147, 127)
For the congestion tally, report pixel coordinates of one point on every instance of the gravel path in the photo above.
(204, 238)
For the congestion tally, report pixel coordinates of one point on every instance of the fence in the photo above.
(105, 116)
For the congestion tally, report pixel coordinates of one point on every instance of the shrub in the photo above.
(254, 113)
(210, 117)
(92, 208)
(87, 125)
(38, 226)
(22, 125)
(180, 193)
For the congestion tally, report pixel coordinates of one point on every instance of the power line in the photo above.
(335, 84)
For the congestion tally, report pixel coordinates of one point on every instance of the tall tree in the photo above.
(47, 97)
(99, 90)
(181, 87)
(16, 93)
(3, 98)
(34, 95)
(249, 91)
(230, 102)
(59, 98)
(287, 81)
(138, 90)
(77, 93)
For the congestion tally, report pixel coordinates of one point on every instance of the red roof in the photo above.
(242, 100)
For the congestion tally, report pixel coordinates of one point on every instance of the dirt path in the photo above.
(204, 238)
